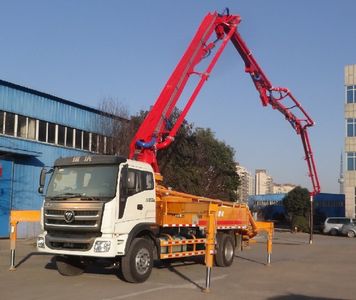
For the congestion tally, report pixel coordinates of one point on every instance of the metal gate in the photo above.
(5, 196)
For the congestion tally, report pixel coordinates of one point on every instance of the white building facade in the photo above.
(246, 184)
(349, 180)
(263, 182)
(284, 188)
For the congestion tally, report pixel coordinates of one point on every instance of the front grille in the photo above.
(74, 216)
(69, 241)
(92, 223)
(79, 212)
(69, 246)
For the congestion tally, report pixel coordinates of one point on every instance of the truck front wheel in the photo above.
(136, 265)
(69, 265)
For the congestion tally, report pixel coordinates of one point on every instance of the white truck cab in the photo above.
(94, 206)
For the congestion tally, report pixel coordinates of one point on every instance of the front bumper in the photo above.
(104, 246)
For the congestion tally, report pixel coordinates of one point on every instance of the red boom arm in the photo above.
(155, 133)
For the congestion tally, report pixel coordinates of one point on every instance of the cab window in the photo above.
(138, 181)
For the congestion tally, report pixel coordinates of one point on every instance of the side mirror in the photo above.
(42, 180)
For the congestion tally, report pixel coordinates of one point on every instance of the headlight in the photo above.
(102, 246)
(40, 242)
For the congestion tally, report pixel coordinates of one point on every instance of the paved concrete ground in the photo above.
(324, 270)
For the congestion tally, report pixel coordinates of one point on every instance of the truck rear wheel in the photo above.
(225, 250)
(136, 265)
(69, 265)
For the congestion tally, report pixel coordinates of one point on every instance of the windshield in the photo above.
(83, 181)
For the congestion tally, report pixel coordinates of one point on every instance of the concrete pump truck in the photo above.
(102, 207)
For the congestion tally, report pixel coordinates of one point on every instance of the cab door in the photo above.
(136, 199)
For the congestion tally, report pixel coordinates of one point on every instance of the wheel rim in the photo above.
(143, 261)
(350, 234)
(228, 251)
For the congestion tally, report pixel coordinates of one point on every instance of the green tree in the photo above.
(297, 205)
(199, 164)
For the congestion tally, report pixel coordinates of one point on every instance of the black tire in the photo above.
(351, 234)
(334, 232)
(69, 265)
(225, 250)
(136, 265)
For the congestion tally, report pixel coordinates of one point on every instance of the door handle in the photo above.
(139, 206)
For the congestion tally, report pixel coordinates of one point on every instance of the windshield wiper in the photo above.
(82, 196)
(67, 195)
(85, 197)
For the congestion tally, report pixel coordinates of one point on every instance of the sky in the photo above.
(85, 51)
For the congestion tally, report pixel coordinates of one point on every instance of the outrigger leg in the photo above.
(210, 245)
